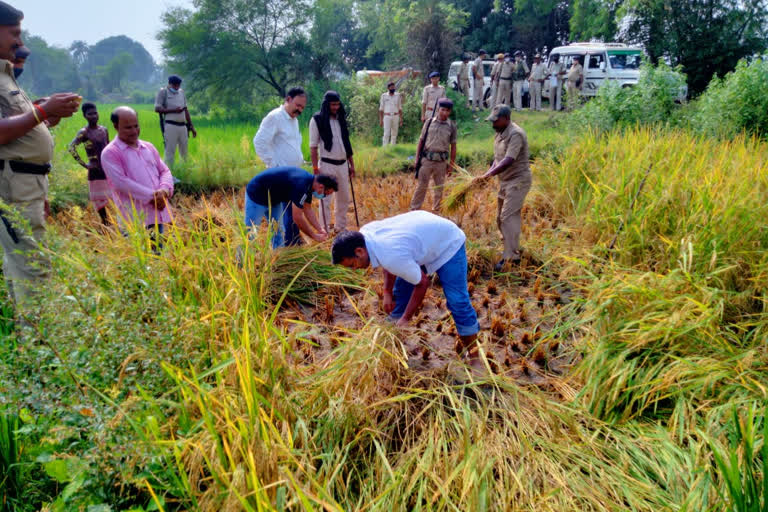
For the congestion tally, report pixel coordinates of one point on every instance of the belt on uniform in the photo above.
(435, 156)
(332, 161)
(175, 123)
(391, 113)
(26, 167)
(506, 78)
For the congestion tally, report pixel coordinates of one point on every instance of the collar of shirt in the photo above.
(505, 134)
(8, 67)
(370, 246)
(285, 113)
(123, 146)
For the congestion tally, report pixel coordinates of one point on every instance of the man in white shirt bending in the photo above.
(408, 248)
(278, 141)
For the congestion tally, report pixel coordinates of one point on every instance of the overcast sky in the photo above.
(62, 21)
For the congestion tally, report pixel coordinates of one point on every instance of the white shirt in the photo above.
(337, 151)
(403, 243)
(278, 141)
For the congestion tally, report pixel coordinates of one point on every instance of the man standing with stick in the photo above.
(331, 154)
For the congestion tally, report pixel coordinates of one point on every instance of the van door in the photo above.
(595, 73)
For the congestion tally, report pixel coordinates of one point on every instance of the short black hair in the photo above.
(87, 106)
(295, 91)
(344, 245)
(115, 118)
(174, 79)
(328, 182)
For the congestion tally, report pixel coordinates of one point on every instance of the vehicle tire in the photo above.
(487, 98)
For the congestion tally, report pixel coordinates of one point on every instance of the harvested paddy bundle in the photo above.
(463, 184)
(299, 272)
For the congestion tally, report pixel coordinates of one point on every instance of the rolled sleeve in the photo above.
(381, 103)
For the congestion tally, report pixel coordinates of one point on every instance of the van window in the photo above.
(488, 67)
(595, 60)
(625, 59)
(454, 69)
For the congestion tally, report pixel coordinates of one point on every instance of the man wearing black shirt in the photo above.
(284, 193)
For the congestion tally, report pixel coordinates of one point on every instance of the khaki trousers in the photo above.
(478, 94)
(572, 98)
(510, 203)
(503, 92)
(556, 96)
(464, 84)
(430, 170)
(175, 137)
(342, 198)
(517, 91)
(22, 230)
(535, 95)
(391, 126)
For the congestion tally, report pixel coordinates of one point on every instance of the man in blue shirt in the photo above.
(284, 193)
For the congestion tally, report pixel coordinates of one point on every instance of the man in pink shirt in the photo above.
(141, 183)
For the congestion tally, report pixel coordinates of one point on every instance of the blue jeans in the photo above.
(453, 277)
(288, 232)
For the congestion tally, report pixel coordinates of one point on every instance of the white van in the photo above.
(602, 62)
(453, 79)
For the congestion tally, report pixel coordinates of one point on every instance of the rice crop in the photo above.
(463, 183)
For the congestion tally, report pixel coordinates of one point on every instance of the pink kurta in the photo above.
(134, 175)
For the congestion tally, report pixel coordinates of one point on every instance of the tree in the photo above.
(105, 51)
(113, 74)
(48, 69)
(706, 37)
(228, 45)
(433, 35)
(79, 51)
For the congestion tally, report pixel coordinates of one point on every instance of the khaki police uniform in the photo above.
(430, 97)
(464, 81)
(495, 70)
(391, 105)
(538, 75)
(556, 70)
(333, 163)
(519, 74)
(478, 74)
(575, 74)
(176, 134)
(505, 84)
(436, 154)
(25, 163)
(514, 184)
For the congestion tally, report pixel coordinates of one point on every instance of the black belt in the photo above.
(506, 78)
(26, 167)
(332, 161)
(176, 123)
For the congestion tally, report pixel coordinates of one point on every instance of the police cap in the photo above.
(174, 79)
(445, 102)
(500, 110)
(434, 74)
(10, 15)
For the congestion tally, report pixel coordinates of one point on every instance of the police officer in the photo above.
(464, 78)
(495, 70)
(505, 82)
(390, 114)
(437, 147)
(536, 80)
(478, 76)
(432, 93)
(26, 150)
(171, 104)
(556, 73)
(511, 165)
(519, 75)
(575, 83)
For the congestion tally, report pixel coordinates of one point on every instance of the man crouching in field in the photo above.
(284, 194)
(409, 247)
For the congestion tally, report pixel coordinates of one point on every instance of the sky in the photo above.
(60, 22)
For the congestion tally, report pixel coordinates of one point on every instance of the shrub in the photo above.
(738, 102)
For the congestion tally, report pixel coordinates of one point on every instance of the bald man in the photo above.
(140, 181)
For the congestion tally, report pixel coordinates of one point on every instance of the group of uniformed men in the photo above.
(408, 247)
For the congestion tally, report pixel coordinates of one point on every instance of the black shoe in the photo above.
(499, 267)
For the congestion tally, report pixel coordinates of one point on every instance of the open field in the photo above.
(218, 377)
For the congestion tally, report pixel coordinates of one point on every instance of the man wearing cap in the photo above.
(536, 80)
(26, 150)
(504, 92)
(436, 145)
(519, 75)
(556, 72)
(510, 163)
(171, 104)
(575, 83)
(495, 70)
(478, 75)
(432, 93)
(390, 114)
(464, 78)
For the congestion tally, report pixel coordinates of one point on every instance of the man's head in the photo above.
(518, 55)
(174, 82)
(465, 58)
(444, 109)
(577, 60)
(333, 99)
(500, 117)
(391, 87)
(324, 186)
(537, 58)
(349, 250)
(556, 57)
(499, 57)
(434, 77)
(10, 31)
(295, 101)
(90, 113)
(126, 122)
(481, 53)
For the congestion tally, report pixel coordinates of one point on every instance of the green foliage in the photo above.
(653, 100)
(48, 69)
(364, 109)
(735, 103)
(113, 73)
(140, 67)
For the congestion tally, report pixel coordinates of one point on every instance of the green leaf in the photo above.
(58, 470)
